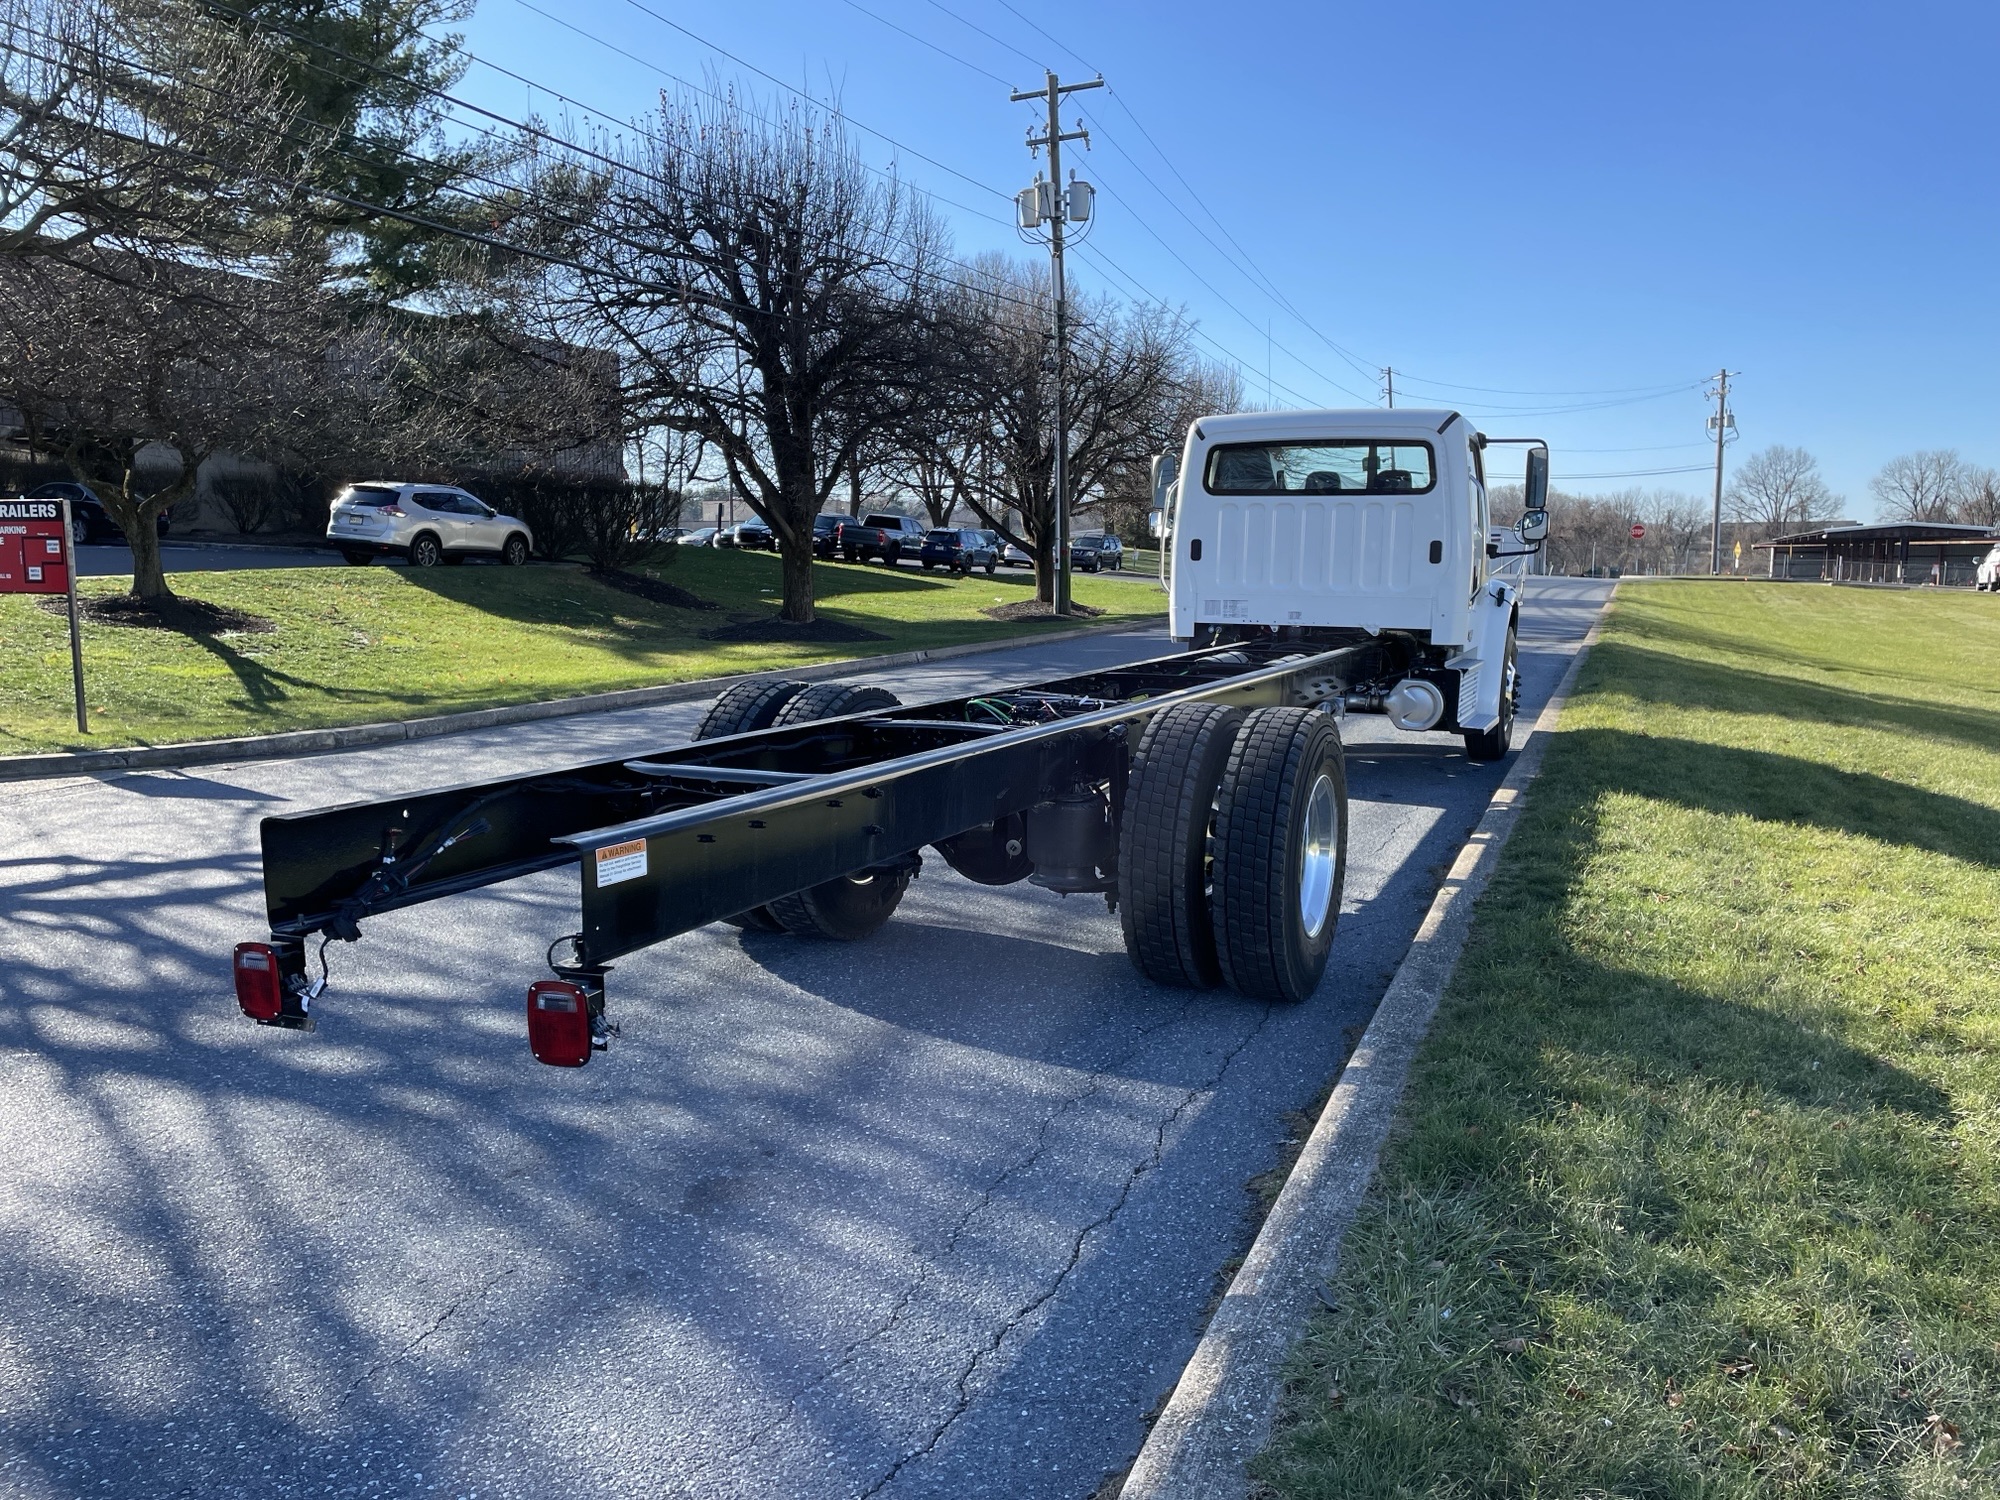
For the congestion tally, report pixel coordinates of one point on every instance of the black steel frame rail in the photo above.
(730, 824)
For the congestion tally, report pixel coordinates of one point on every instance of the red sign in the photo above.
(1638, 530)
(31, 548)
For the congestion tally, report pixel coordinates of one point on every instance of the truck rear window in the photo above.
(1344, 466)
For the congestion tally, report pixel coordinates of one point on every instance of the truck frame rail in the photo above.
(688, 834)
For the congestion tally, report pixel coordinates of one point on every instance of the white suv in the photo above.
(427, 523)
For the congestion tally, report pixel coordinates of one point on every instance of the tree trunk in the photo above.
(149, 578)
(1045, 568)
(854, 489)
(796, 550)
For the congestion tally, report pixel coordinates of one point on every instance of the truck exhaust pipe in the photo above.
(1412, 704)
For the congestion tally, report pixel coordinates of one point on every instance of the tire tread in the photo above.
(1175, 774)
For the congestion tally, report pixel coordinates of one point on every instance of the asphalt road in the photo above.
(111, 559)
(937, 1214)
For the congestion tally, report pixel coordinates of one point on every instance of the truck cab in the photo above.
(1316, 525)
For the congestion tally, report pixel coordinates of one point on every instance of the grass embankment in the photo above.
(1695, 1192)
(354, 645)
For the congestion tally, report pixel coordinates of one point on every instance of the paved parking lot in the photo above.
(112, 559)
(937, 1214)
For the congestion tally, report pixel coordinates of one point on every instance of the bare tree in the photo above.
(136, 369)
(1676, 526)
(145, 125)
(1130, 378)
(1922, 486)
(763, 293)
(1979, 497)
(1779, 490)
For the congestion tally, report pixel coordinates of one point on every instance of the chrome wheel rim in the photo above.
(1319, 857)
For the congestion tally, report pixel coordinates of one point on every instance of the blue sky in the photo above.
(1586, 204)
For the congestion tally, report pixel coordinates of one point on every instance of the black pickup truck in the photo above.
(885, 536)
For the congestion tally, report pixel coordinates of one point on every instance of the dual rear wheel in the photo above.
(851, 906)
(1233, 849)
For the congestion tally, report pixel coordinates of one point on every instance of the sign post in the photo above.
(38, 556)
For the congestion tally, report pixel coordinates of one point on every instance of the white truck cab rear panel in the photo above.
(1345, 558)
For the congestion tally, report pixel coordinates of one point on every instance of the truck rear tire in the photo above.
(1280, 853)
(830, 700)
(742, 709)
(844, 909)
(746, 707)
(1164, 843)
(855, 905)
(1494, 743)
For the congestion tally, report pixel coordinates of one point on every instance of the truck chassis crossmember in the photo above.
(1029, 783)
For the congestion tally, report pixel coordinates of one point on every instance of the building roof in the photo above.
(1931, 533)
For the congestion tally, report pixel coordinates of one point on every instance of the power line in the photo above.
(926, 42)
(817, 103)
(1242, 262)
(1052, 41)
(410, 216)
(557, 142)
(1640, 473)
(1263, 285)
(1037, 62)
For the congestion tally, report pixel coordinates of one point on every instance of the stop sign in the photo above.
(1638, 530)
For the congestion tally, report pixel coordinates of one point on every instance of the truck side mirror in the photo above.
(1533, 527)
(1156, 523)
(1536, 490)
(1166, 469)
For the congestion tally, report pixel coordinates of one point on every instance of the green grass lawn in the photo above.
(1696, 1189)
(356, 645)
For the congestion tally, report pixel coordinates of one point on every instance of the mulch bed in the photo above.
(769, 628)
(186, 616)
(1034, 609)
(655, 590)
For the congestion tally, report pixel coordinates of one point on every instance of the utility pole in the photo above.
(1723, 422)
(1054, 208)
(1389, 384)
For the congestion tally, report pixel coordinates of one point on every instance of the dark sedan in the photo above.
(89, 521)
(959, 549)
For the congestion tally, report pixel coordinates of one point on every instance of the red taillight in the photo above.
(391, 510)
(558, 1023)
(257, 983)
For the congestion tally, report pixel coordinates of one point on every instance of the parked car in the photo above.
(960, 549)
(1094, 553)
(885, 536)
(697, 536)
(1987, 579)
(1013, 557)
(752, 536)
(426, 523)
(89, 521)
(826, 535)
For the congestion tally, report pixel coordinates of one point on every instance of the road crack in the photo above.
(475, 1295)
(929, 1265)
(962, 1401)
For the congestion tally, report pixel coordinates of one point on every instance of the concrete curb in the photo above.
(350, 736)
(1219, 1415)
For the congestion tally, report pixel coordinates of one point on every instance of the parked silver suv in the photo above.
(427, 523)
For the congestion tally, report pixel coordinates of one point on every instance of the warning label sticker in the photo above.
(616, 862)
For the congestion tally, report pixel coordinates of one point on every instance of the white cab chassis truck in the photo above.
(1323, 561)
(1316, 526)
